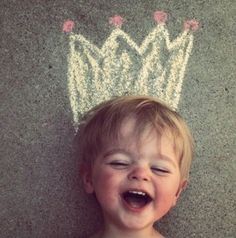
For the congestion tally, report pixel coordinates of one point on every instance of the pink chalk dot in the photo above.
(68, 26)
(192, 25)
(116, 21)
(160, 17)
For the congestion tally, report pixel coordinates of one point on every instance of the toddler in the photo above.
(136, 154)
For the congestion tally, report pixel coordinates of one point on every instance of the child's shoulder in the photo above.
(98, 235)
(95, 235)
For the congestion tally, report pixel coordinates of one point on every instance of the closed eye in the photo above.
(118, 164)
(160, 170)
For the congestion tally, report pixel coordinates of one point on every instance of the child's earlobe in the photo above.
(88, 185)
(87, 179)
(182, 186)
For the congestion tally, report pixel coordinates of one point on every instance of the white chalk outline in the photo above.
(97, 74)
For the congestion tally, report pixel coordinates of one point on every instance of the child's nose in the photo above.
(140, 174)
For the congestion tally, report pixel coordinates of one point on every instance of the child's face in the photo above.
(136, 183)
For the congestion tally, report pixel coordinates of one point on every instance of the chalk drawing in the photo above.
(120, 66)
(68, 26)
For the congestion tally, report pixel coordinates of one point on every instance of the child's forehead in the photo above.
(149, 144)
(132, 133)
(127, 127)
(132, 128)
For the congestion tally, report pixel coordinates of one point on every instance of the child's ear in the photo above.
(183, 184)
(86, 173)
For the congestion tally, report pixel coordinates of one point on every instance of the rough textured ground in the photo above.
(40, 193)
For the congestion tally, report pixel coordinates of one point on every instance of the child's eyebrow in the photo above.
(117, 150)
(164, 158)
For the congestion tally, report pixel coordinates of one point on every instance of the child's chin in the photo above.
(137, 218)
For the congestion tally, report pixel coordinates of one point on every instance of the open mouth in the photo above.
(136, 199)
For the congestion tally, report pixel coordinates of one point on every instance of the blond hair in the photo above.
(101, 126)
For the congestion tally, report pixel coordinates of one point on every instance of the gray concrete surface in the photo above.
(40, 192)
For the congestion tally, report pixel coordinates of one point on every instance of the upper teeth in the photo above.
(138, 192)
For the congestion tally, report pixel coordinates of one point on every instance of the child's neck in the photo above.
(113, 232)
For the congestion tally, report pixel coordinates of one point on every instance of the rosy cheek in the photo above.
(106, 190)
(166, 194)
(107, 175)
(103, 177)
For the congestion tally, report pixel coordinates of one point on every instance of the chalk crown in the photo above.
(121, 67)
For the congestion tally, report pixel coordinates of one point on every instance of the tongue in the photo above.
(135, 201)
